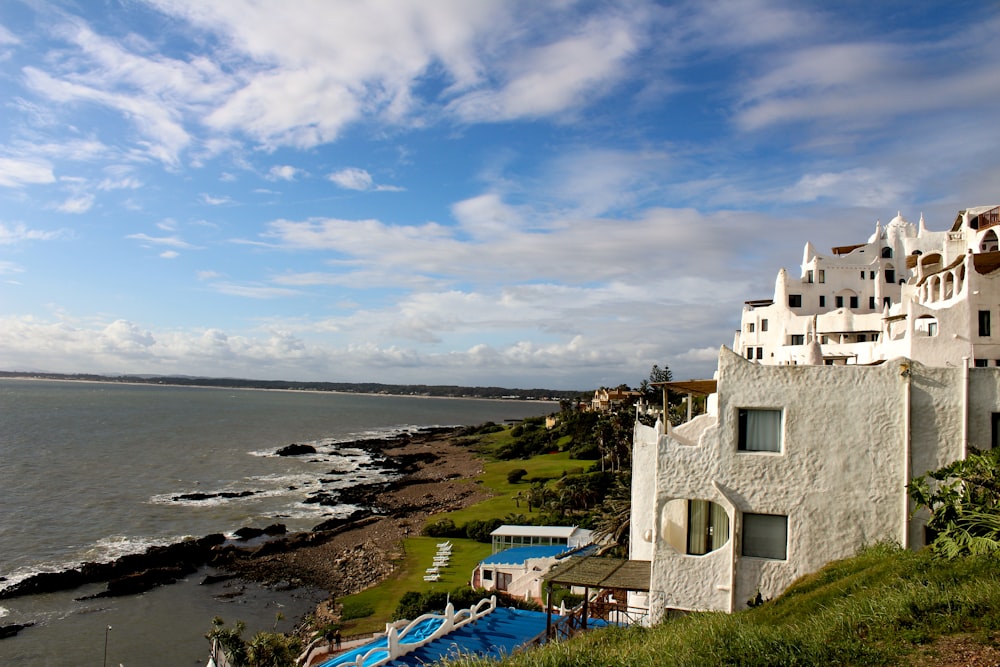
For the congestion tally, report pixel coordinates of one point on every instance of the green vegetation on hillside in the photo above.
(883, 607)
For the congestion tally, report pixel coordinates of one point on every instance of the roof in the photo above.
(597, 572)
(518, 555)
(508, 530)
(696, 387)
(846, 249)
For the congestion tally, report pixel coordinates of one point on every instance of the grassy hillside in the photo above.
(885, 606)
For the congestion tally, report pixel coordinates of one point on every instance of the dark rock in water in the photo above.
(275, 529)
(11, 630)
(331, 524)
(140, 582)
(216, 579)
(248, 533)
(296, 450)
(207, 496)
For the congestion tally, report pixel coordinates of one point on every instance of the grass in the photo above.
(466, 554)
(879, 608)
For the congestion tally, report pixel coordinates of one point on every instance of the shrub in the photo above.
(480, 530)
(442, 528)
(515, 475)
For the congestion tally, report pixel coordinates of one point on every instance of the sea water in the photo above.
(91, 471)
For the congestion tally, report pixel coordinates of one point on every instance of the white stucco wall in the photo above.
(840, 477)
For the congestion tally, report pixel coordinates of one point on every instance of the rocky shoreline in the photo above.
(340, 556)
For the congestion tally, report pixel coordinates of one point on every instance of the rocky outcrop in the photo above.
(296, 450)
(11, 630)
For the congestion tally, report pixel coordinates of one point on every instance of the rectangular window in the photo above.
(862, 275)
(794, 300)
(759, 430)
(982, 363)
(890, 275)
(809, 276)
(871, 303)
(822, 276)
(838, 302)
(763, 325)
(871, 275)
(854, 303)
(984, 323)
(798, 339)
(749, 327)
(487, 575)
(822, 302)
(862, 338)
(887, 301)
(760, 353)
(765, 536)
(932, 328)
(749, 353)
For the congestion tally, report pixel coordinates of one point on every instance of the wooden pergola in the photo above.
(599, 573)
(689, 387)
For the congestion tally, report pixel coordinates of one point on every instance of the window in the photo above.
(760, 353)
(763, 325)
(854, 303)
(871, 274)
(809, 276)
(982, 363)
(749, 327)
(794, 300)
(759, 430)
(887, 301)
(708, 527)
(822, 276)
(862, 275)
(984, 323)
(871, 303)
(798, 339)
(822, 302)
(749, 353)
(765, 536)
(487, 575)
(887, 253)
(838, 301)
(890, 275)
(862, 338)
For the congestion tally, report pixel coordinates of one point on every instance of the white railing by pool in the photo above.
(397, 645)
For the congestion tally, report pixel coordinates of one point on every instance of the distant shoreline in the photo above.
(359, 388)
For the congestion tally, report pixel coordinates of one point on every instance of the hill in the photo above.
(444, 391)
(885, 606)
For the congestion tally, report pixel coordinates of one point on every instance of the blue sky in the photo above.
(524, 194)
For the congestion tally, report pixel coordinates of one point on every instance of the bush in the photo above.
(480, 530)
(442, 528)
(515, 475)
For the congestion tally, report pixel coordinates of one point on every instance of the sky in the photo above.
(493, 192)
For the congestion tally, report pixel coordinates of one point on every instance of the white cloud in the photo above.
(10, 267)
(76, 205)
(7, 37)
(171, 241)
(170, 254)
(20, 232)
(282, 172)
(15, 173)
(253, 291)
(352, 179)
(215, 201)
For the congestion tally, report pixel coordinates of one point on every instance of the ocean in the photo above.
(92, 471)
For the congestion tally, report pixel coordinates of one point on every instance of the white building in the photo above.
(864, 372)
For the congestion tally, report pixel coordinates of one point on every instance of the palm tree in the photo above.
(614, 522)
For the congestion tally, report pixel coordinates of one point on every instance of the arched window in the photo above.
(694, 527)
(886, 252)
(989, 242)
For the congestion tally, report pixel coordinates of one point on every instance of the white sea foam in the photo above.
(4, 611)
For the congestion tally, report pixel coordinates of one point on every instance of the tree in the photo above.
(614, 522)
(656, 374)
(265, 649)
(963, 499)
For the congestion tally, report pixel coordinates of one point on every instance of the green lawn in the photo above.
(466, 554)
